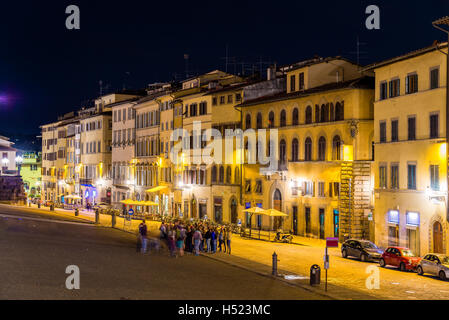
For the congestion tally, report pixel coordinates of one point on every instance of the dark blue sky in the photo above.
(47, 70)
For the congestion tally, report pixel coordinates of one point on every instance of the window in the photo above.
(434, 126)
(230, 98)
(295, 150)
(203, 108)
(412, 128)
(228, 175)
(383, 131)
(248, 121)
(411, 83)
(393, 216)
(259, 121)
(411, 176)
(395, 88)
(295, 117)
(336, 148)
(214, 101)
(322, 149)
(308, 115)
(394, 130)
(238, 97)
(214, 174)
(339, 111)
(283, 118)
(193, 110)
(383, 90)
(282, 151)
(383, 177)
(317, 113)
(247, 186)
(258, 187)
(434, 177)
(320, 189)
(222, 99)
(221, 175)
(236, 176)
(324, 114)
(308, 150)
(395, 176)
(301, 81)
(271, 119)
(292, 83)
(434, 78)
(308, 220)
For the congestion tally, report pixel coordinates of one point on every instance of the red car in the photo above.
(400, 257)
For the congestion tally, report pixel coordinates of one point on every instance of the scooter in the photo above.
(283, 237)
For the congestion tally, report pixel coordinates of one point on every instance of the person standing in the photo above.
(221, 239)
(228, 239)
(143, 236)
(180, 236)
(225, 239)
(197, 238)
(213, 237)
(208, 240)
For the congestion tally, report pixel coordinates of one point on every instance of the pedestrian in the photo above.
(143, 236)
(171, 241)
(163, 230)
(225, 238)
(228, 240)
(213, 237)
(208, 238)
(221, 239)
(197, 238)
(180, 236)
(203, 233)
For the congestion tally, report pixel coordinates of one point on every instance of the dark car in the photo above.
(362, 249)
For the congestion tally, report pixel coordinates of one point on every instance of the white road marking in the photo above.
(395, 283)
(45, 220)
(410, 291)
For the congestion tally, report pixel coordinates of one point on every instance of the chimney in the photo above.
(271, 72)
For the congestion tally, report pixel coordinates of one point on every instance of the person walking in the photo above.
(143, 236)
(188, 240)
(163, 229)
(208, 240)
(171, 241)
(180, 236)
(197, 238)
(228, 239)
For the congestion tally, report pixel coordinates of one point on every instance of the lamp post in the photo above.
(19, 161)
(438, 24)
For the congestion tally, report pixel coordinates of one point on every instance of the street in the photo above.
(36, 251)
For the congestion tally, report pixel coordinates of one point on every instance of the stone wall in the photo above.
(11, 188)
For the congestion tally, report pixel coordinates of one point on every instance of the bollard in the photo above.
(97, 216)
(113, 220)
(77, 212)
(275, 264)
(38, 205)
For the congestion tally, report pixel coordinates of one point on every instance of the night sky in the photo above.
(47, 70)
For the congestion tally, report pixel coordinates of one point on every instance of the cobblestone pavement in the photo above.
(346, 277)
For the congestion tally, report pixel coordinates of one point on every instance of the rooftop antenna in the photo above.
(358, 52)
(127, 74)
(101, 87)
(227, 59)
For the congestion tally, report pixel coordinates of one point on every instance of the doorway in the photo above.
(321, 223)
(437, 237)
(308, 222)
(277, 204)
(233, 211)
(336, 223)
(203, 210)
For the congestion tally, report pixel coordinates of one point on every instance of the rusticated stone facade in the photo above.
(11, 188)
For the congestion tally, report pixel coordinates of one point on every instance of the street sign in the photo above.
(326, 261)
(131, 212)
(239, 223)
(332, 242)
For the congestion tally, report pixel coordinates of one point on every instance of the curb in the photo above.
(309, 289)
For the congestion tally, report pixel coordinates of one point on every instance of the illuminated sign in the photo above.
(86, 195)
(413, 218)
(393, 216)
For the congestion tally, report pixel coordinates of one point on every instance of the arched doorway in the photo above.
(437, 237)
(193, 209)
(277, 204)
(233, 211)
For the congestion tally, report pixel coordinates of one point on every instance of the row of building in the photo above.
(361, 150)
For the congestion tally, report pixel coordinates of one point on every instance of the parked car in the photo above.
(362, 249)
(434, 263)
(400, 257)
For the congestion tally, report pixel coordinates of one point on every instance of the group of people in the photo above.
(191, 238)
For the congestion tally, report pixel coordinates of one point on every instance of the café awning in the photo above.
(156, 189)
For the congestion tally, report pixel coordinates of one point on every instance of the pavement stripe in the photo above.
(45, 220)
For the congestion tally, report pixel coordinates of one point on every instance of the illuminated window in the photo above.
(412, 218)
(393, 216)
(434, 177)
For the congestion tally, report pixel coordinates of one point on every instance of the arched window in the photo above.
(317, 113)
(295, 117)
(324, 116)
(228, 174)
(283, 121)
(214, 174)
(336, 148)
(271, 119)
(283, 151)
(339, 111)
(221, 175)
(237, 176)
(322, 149)
(259, 120)
(248, 121)
(308, 115)
(295, 149)
(308, 150)
(332, 114)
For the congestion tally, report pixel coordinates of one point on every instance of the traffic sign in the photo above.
(332, 242)
(131, 212)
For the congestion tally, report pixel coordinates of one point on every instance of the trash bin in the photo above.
(97, 216)
(77, 212)
(315, 274)
(113, 221)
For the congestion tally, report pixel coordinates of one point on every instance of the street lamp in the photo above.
(19, 161)
(438, 24)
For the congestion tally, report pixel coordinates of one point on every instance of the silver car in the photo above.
(436, 264)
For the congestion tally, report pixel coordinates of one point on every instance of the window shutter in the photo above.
(313, 189)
